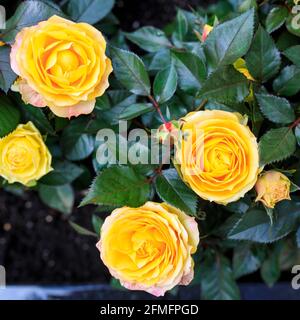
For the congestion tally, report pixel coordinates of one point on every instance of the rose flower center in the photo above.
(67, 60)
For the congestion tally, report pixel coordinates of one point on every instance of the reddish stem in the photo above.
(295, 123)
(156, 106)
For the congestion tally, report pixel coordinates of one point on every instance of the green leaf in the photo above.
(83, 231)
(120, 101)
(255, 225)
(246, 5)
(135, 110)
(171, 189)
(230, 40)
(165, 84)
(241, 206)
(28, 13)
(181, 27)
(276, 18)
(225, 85)
(217, 281)
(75, 143)
(293, 54)
(191, 70)
(90, 11)
(60, 198)
(9, 116)
(298, 237)
(64, 172)
(275, 109)
(7, 76)
(37, 116)
(263, 58)
(118, 186)
(276, 145)
(270, 270)
(102, 103)
(130, 71)
(297, 134)
(158, 60)
(97, 223)
(288, 81)
(149, 38)
(244, 261)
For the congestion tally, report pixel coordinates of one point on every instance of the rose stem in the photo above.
(157, 108)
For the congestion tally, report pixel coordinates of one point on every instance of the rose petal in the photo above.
(14, 48)
(29, 95)
(155, 291)
(83, 107)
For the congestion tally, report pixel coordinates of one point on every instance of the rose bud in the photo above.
(272, 187)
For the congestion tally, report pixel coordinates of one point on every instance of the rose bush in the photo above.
(227, 98)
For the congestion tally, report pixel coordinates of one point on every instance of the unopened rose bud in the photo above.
(169, 130)
(272, 187)
(206, 30)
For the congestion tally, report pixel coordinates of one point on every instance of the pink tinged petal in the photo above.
(83, 107)
(13, 53)
(155, 291)
(187, 278)
(98, 245)
(31, 96)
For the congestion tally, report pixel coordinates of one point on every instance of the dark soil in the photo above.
(136, 13)
(37, 244)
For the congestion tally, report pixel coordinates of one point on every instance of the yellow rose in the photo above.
(217, 156)
(61, 65)
(149, 248)
(272, 187)
(24, 157)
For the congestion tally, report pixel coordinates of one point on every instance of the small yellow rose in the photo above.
(272, 187)
(24, 157)
(62, 65)
(218, 155)
(149, 248)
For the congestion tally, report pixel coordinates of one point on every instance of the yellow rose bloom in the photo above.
(272, 187)
(217, 156)
(24, 157)
(149, 248)
(62, 65)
